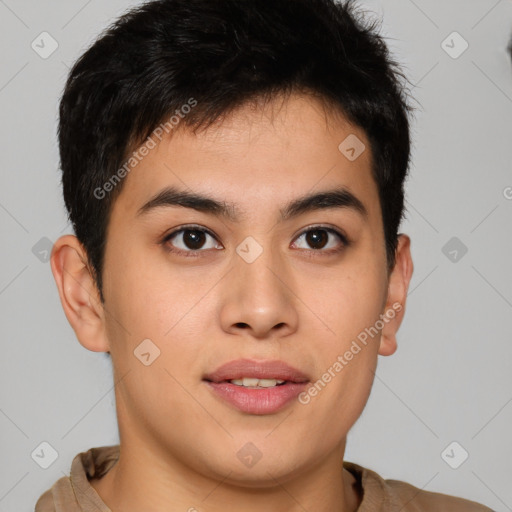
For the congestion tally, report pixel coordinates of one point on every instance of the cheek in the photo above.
(347, 304)
(346, 351)
(151, 299)
(144, 295)
(153, 314)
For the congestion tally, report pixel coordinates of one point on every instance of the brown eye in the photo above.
(317, 238)
(193, 239)
(323, 239)
(190, 240)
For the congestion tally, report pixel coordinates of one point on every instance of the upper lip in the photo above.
(256, 369)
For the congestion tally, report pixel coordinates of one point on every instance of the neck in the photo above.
(144, 479)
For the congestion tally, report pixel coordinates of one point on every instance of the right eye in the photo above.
(189, 240)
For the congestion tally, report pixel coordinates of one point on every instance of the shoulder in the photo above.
(419, 500)
(61, 497)
(383, 495)
(59, 490)
(45, 502)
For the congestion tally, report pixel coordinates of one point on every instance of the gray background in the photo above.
(451, 378)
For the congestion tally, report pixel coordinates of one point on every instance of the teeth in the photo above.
(256, 383)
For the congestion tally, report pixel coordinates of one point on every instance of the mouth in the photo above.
(254, 383)
(256, 387)
(248, 372)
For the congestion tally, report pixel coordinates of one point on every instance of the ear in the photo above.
(398, 285)
(78, 293)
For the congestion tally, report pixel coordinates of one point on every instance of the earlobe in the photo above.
(398, 286)
(78, 293)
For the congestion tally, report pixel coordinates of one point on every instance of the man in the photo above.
(234, 174)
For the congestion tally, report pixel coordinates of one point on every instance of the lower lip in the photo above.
(257, 401)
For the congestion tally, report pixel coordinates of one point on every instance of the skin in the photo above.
(176, 437)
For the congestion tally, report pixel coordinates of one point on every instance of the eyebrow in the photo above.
(339, 197)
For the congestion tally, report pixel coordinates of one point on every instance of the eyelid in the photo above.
(186, 227)
(327, 227)
(190, 227)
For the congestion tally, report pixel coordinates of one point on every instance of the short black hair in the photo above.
(222, 54)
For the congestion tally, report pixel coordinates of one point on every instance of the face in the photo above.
(261, 282)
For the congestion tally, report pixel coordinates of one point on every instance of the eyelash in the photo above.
(194, 253)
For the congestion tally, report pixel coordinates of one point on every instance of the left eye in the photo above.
(318, 238)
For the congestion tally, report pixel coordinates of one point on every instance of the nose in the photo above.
(258, 297)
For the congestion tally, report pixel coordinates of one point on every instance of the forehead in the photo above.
(257, 159)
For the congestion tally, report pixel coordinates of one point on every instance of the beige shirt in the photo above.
(74, 493)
